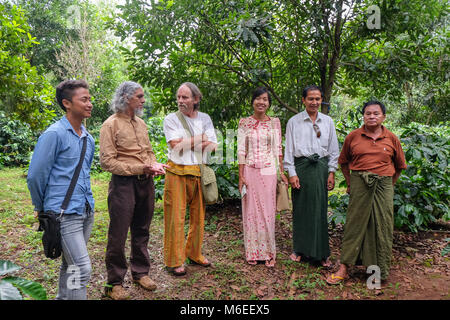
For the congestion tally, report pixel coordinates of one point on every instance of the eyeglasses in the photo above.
(317, 130)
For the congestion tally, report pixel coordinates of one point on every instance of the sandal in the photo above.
(295, 257)
(205, 264)
(176, 270)
(252, 262)
(333, 279)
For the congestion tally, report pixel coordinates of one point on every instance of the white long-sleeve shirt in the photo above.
(302, 140)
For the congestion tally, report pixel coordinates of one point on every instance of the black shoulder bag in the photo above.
(50, 222)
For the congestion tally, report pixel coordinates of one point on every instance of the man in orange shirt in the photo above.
(376, 159)
(126, 152)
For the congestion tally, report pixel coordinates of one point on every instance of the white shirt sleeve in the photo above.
(333, 149)
(289, 151)
(209, 128)
(172, 128)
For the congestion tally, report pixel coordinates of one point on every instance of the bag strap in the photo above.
(73, 182)
(190, 134)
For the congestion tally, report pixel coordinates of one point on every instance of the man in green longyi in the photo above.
(311, 160)
(376, 159)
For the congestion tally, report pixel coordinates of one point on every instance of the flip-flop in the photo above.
(333, 279)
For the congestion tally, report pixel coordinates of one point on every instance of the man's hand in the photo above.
(330, 181)
(295, 182)
(155, 169)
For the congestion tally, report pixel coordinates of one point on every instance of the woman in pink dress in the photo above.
(259, 143)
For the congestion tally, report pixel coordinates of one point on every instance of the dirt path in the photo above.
(418, 270)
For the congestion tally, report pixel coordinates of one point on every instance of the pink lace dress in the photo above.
(258, 141)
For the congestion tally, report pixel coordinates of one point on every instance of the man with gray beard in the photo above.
(188, 149)
(126, 152)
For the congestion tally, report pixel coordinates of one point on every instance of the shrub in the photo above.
(16, 141)
(422, 192)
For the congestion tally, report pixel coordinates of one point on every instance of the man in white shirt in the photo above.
(311, 160)
(182, 182)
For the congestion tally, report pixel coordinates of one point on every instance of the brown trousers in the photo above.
(130, 205)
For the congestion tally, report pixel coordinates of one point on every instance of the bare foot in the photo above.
(270, 263)
(326, 263)
(295, 257)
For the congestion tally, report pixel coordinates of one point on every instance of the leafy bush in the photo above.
(338, 204)
(159, 145)
(16, 141)
(422, 192)
(24, 93)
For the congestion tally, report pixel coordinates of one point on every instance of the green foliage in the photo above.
(348, 122)
(406, 61)
(227, 176)
(228, 48)
(159, 145)
(12, 288)
(338, 204)
(50, 24)
(24, 94)
(16, 141)
(423, 190)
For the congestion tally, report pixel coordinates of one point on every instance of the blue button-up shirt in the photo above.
(53, 164)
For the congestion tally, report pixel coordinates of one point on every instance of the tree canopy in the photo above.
(229, 47)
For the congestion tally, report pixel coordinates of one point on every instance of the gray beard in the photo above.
(139, 112)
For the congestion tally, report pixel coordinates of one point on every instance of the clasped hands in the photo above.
(155, 169)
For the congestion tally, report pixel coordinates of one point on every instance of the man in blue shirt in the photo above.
(52, 166)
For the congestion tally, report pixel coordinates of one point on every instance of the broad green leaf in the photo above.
(31, 288)
(7, 267)
(9, 292)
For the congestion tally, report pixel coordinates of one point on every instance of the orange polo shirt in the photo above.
(381, 156)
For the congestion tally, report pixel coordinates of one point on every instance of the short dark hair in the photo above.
(372, 102)
(312, 87)
(65, 90)
(259, 91)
